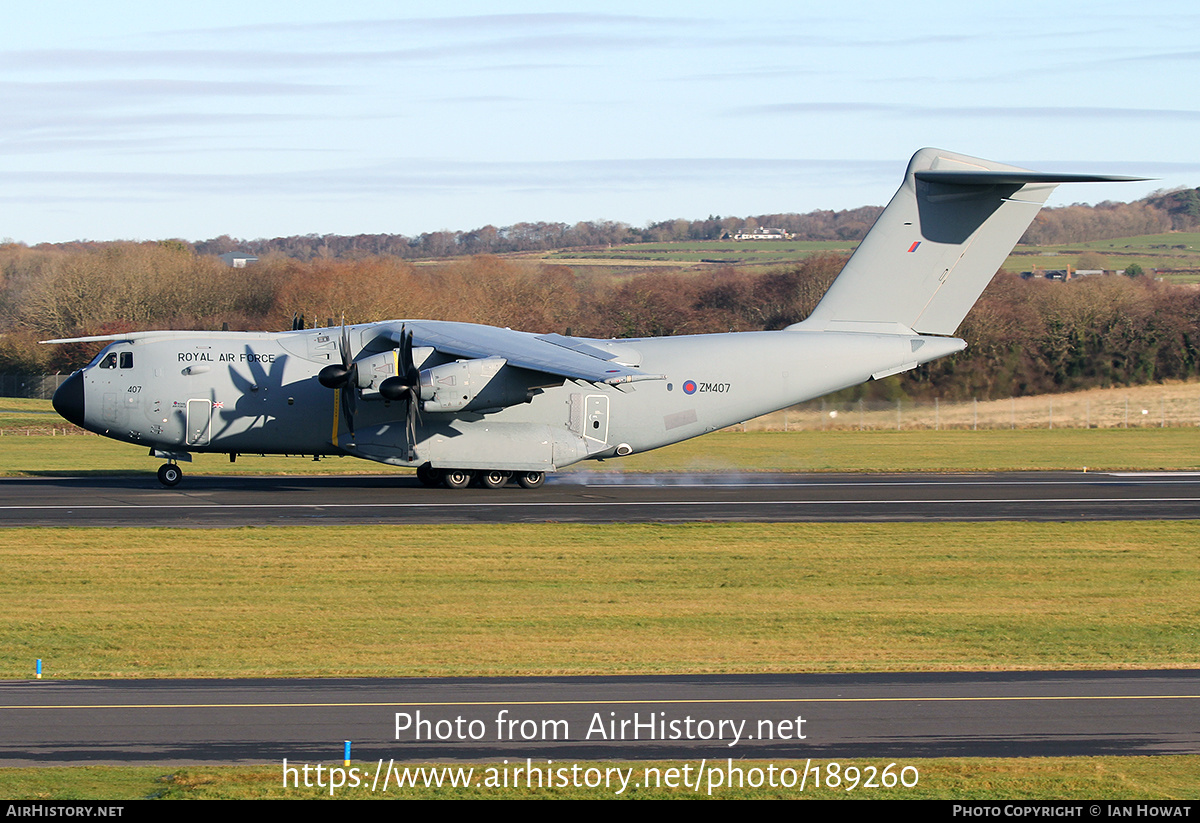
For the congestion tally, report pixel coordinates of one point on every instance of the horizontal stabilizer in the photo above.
(996, 178)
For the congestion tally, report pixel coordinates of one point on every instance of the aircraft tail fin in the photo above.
(936, 246)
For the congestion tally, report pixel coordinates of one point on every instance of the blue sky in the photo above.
(257, 119)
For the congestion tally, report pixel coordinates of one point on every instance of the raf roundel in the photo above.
(689, 387)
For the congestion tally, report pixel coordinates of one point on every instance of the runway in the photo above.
(860, 716)
(864, 717)
(601, 498)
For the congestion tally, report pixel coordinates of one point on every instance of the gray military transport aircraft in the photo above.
(463, 402)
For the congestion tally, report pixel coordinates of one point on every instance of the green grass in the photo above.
(1156, 251)
(22, 414)
(921, 451)
(25, 404)
(1172, 250)
(1052, 778)
(547, 599)
(81, 455)
(1178, 242)
(729, 451)
(744, 252)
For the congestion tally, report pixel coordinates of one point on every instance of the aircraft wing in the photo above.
(567, 357)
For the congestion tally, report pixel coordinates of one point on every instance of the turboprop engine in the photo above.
(472, 385)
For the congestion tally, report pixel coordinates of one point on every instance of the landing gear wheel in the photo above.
(428, 475)
(494, 479)
(531, 480)
(169, 475)
(457, 478)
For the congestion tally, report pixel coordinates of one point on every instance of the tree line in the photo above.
(1160, 212)
(1024, 337)
(848, 225)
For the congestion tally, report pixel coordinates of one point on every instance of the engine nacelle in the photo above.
(471, 385)
(374, 369)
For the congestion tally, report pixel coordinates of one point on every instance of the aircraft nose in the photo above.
(68, 400)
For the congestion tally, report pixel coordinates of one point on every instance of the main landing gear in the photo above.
(488, 478)
(169, 474)
(531, 480)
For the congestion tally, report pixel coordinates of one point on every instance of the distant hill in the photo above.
(1177, 210)
(1160, 212)
(846, 225)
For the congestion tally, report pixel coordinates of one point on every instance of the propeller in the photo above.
(406, 386)
(343, 376)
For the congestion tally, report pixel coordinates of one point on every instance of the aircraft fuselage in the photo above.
(461, 401)
(257, 392)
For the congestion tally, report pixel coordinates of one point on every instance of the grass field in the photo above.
(721, 452)
(724, 252)
(1170, 404)
(567, 599)
(1093, 778)
(1173, 250)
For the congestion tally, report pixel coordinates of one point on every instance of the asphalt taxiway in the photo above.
(601, 498)
(861, 716)
(845, 715)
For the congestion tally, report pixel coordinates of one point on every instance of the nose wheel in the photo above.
(169, 474)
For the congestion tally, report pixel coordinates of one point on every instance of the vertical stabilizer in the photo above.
(937, 244)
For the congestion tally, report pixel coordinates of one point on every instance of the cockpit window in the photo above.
(127, 360)
(109, 362)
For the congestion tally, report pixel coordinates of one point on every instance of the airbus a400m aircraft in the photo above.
(462, 402)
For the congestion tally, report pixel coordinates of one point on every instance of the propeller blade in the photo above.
(344, 347)
(343, 376)
(407, 367)
(410, 428)
(348, 410)
(407, 376)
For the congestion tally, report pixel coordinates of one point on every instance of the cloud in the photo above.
(471, 23)
(431, 176)
(102, 92)
(990, 112)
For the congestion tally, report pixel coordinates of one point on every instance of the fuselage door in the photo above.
(111, 410)
(596, 418)
(199, 422)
